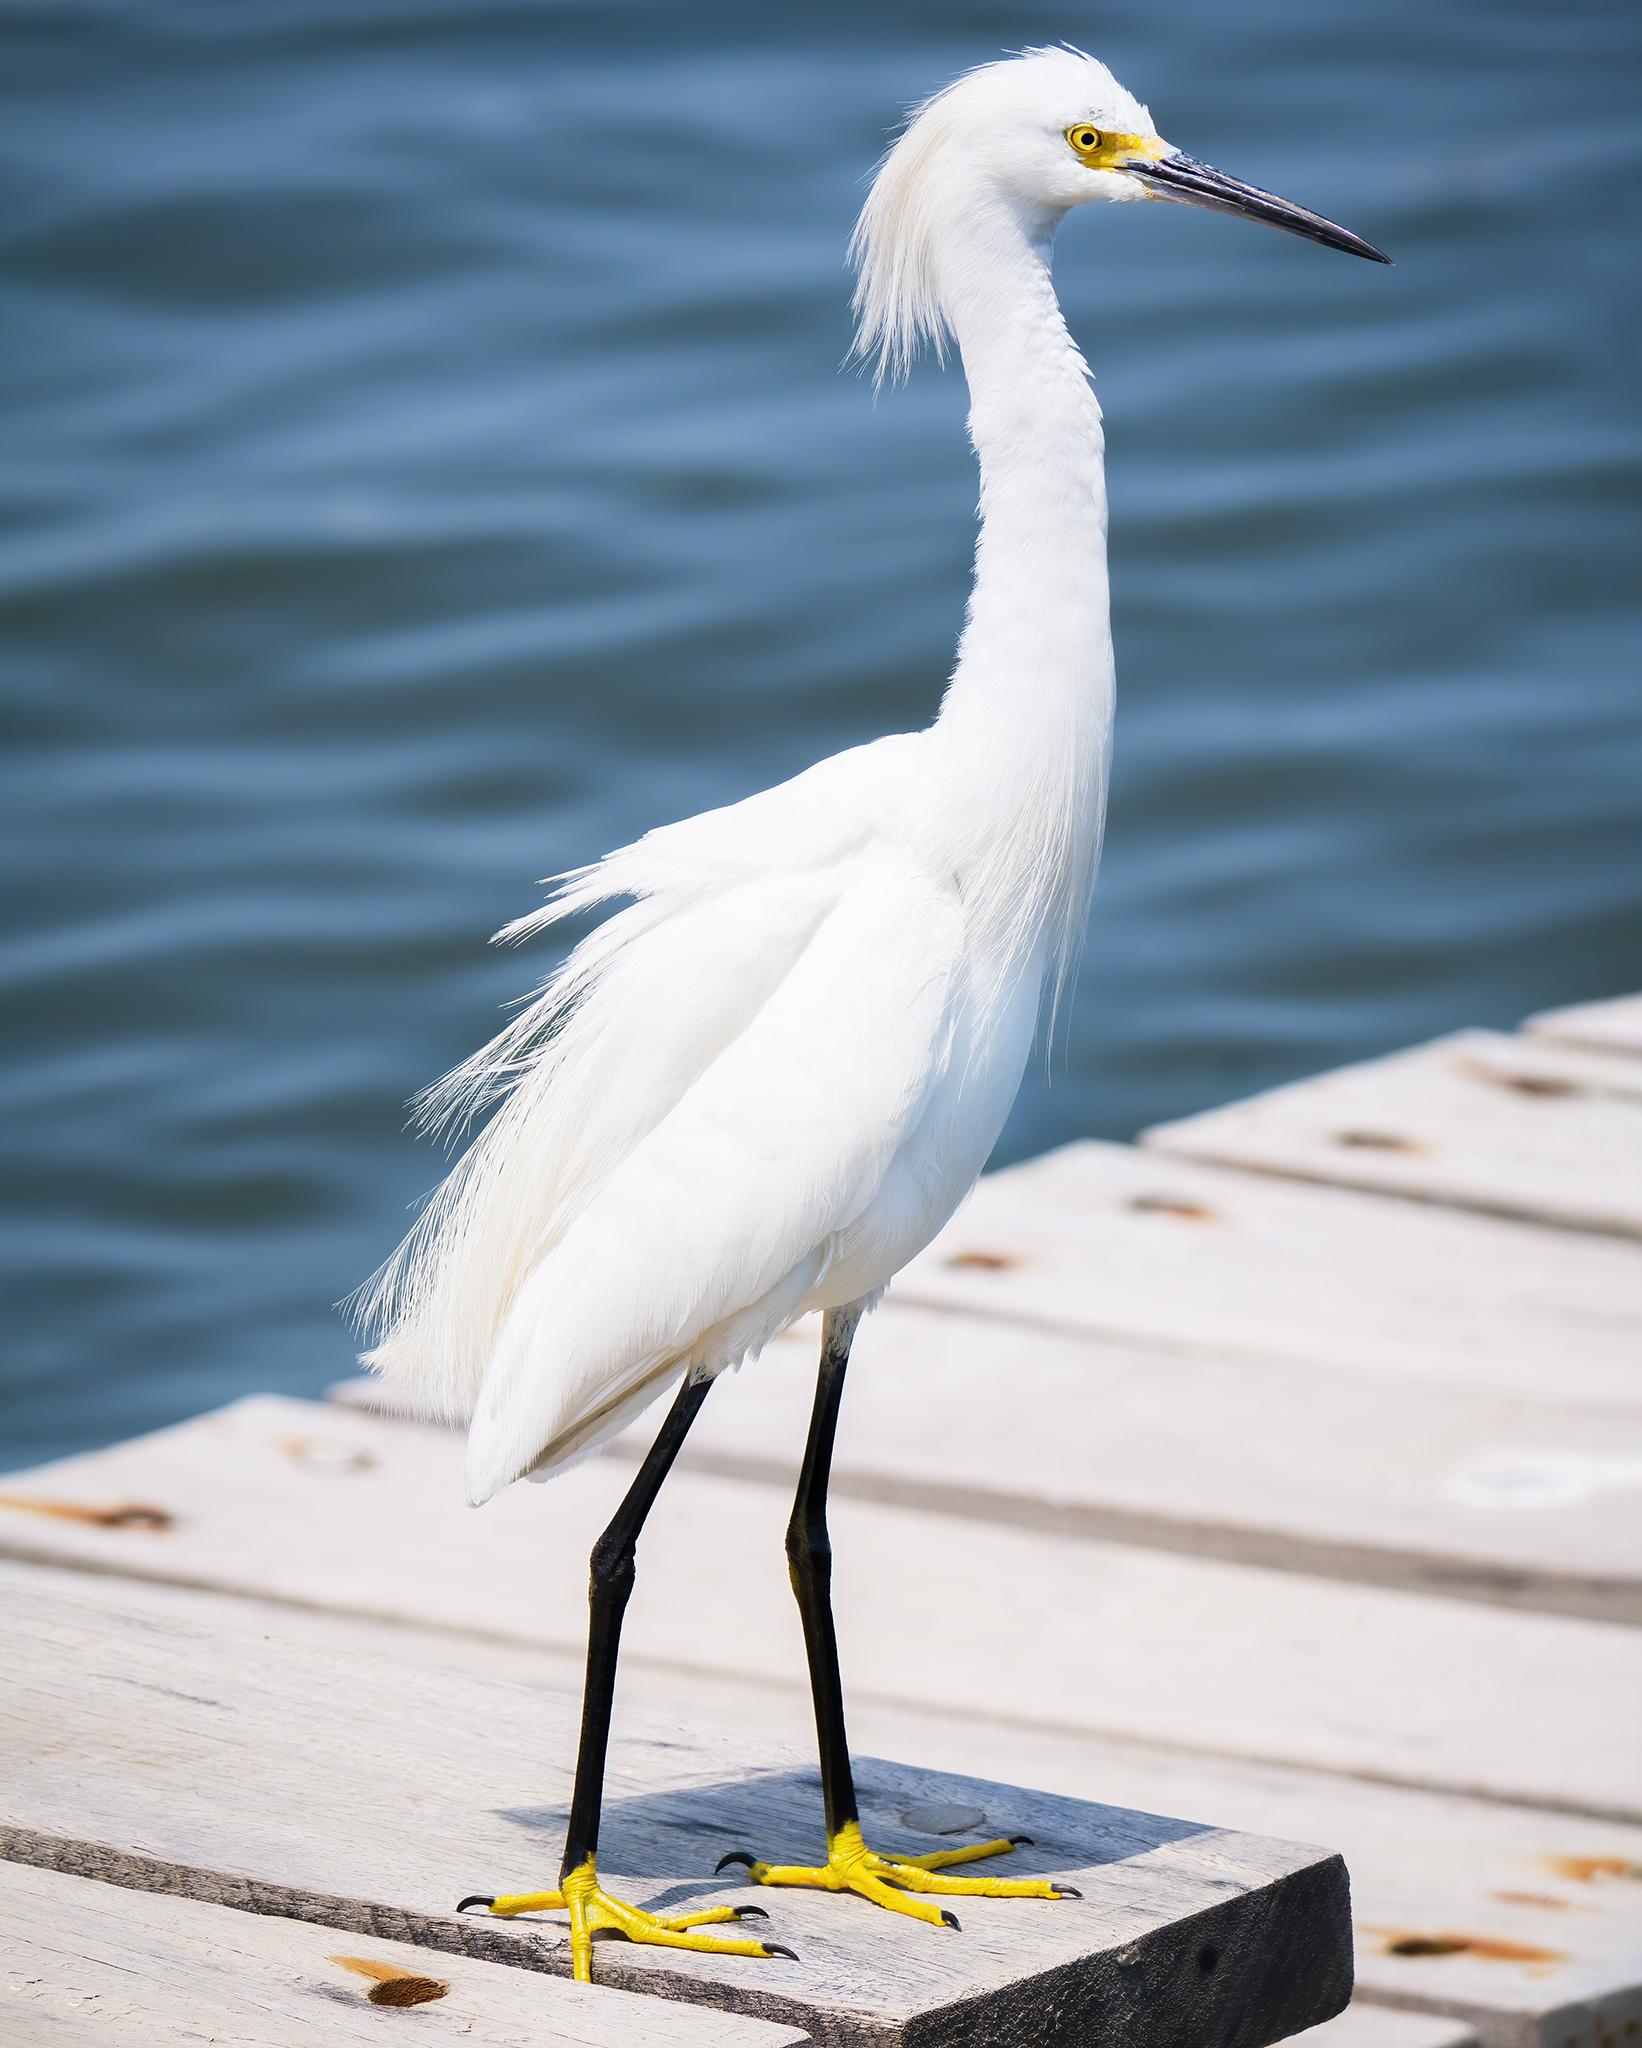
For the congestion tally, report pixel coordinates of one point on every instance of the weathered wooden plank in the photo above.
(1503, 1462)
(1514, 1126)
(368, 1797)
(1613, 1026)
(291, 1501)
(89, 1962)
(1418, 1860)
(1514, 1501)
(1556, 1930)
(1379, 2026)
(1110, 1241)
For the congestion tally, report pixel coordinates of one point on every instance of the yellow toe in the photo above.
(509, 1903)
(886, 1880)
(593, 1910)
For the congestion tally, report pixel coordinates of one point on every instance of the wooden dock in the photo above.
(1283, 1472)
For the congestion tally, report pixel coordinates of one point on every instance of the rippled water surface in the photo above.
(427, 466)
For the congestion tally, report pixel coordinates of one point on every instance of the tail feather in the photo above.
(600, 1056)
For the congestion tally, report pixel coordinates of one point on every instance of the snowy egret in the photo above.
(763, 1086)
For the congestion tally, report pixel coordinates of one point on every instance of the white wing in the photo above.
(713, 1086)
(709, 1235)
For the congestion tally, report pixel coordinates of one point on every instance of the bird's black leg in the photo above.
(809, 1561)
(851, 1865)
(610, 1585)
(611, 1575)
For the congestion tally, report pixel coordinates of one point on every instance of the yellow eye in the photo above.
(1084, 139)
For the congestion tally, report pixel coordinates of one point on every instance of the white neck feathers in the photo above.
(1026, 721)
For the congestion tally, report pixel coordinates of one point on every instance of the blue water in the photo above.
(427, 465)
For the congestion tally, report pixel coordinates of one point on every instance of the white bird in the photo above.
(765, 1085)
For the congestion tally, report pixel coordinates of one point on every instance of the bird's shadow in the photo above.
(674, 1835)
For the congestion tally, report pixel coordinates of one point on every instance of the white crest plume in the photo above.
(929, 170)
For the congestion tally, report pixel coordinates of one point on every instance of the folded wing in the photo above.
(713, 1085)
(711, 1233)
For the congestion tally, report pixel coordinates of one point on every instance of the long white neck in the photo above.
(1026, 721)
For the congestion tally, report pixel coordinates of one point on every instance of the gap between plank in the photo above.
(1584, 1596)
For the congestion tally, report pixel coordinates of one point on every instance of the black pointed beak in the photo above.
(1190, 183)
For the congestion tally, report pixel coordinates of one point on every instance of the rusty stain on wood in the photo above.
(1375, 1141)
(325, 1454)
(1582, 1869)
(1520, 1084)
(1545, 1084)
(129, 1514)
(1404, 1942)
(986, 1262)
(393, 1985)
(1173, 1205)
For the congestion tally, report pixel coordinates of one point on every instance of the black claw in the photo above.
(478, 1899)
(735, 1856)
(951, 1920)
(773, 1949)
(1022, 1842)
(1065, 1891)
(750, 1913)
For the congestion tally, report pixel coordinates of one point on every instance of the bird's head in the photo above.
(1023, 140)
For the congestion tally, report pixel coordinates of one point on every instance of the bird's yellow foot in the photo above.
(852, 1867)
(592, 1910)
